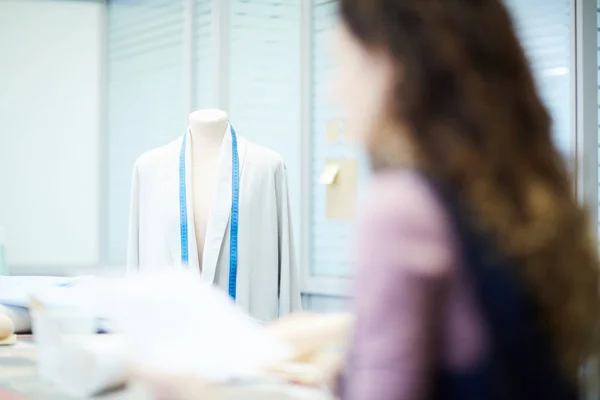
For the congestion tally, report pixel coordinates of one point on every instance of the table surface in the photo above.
(19, 381)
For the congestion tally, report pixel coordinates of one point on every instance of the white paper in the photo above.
(16, 290)
(54, 293)
(329, 174)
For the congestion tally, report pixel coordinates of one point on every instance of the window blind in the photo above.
(264, 82)
(544, 29)
(146, 97)
(203, 55)
(331, 239)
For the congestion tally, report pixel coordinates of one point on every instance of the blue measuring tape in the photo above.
(183, 225)
(233, 219)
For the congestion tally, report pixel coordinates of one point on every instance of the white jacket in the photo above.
(267, 276)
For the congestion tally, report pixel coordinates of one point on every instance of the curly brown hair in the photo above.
(465, 94)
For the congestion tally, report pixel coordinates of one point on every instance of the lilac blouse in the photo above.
(414, 307)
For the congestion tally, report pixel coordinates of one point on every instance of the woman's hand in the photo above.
(311, 333)
(318, 341)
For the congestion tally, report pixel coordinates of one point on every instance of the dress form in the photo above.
(207, 128)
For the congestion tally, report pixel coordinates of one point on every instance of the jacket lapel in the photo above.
(218, 218)
(193, 262)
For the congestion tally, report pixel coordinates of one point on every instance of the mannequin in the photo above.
(184, 204)
(207, 128)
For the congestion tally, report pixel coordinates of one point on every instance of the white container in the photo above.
(52, 329)
(91, 364)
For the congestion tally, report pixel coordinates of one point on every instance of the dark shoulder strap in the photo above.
(522, 362)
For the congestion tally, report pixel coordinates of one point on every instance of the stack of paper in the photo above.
(16, 293)
(16, 290)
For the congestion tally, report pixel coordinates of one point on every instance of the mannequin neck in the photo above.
(207, 127)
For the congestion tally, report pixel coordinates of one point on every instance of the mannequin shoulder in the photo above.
(264, 157)
(157, 157)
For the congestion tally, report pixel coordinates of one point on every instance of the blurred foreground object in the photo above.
(170, 333)
(175, 324)
(190, 341)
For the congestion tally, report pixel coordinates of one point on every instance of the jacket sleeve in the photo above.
(289, 279)
(133, 260)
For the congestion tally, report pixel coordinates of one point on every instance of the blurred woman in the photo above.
(477, 275)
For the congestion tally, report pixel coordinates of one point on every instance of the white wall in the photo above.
(50, 119)
(147, 104)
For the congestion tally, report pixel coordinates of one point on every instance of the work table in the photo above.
(19, 381)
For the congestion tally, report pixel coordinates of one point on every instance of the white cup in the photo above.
(51, 329)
